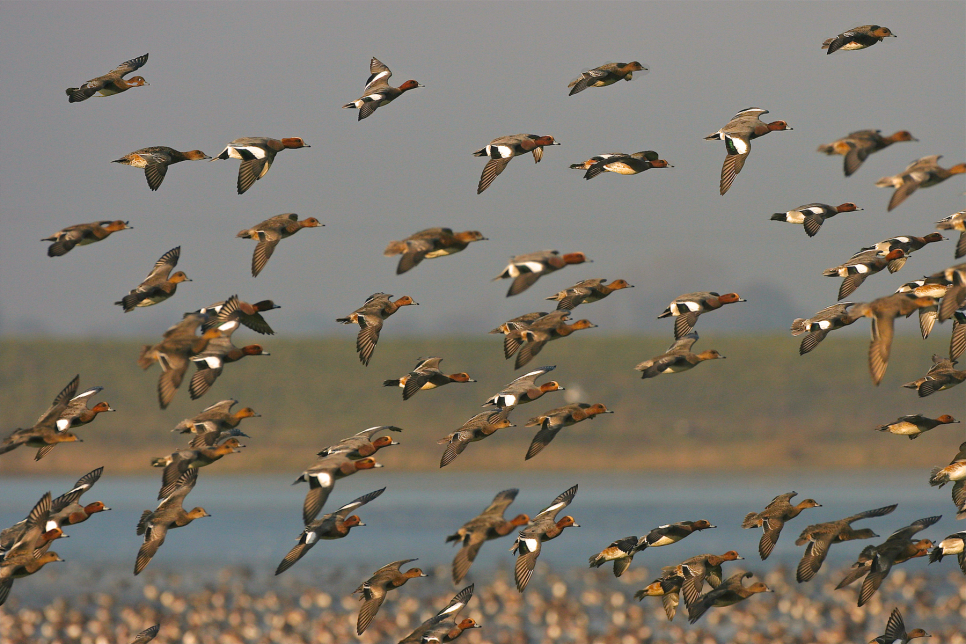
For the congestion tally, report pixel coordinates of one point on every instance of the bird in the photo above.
(22, 559)
(250, 315)
(169, 514)
(430, 244)
(686, 308)
(526, 269)
(501, 149)
(857, 38)
(694, 571)
(486, 526)
(956, 221)
(372, 592)
(76, 415)
(321, 477)
(515, 330)
(925, 287)
(895, 632)
(426, 375)
(257, 153)
(542, 528)
(445, 615)
(941, 376)
(677, 358)
(177, 463)
(622, 551)
(820, 325)
(212, 360)
(147, 635)
(586, 292)
(863, 264)
(921, 173)
(156, 159)
(883, 311)
(271, 231)
(110, 83)
(915, 425)
(875, 562)
(157, 286)
(362, 444)
(550, 327)
(957, 341)
(954, 544)
(66, 510)
(668, 588)
(45, 431)
(626, 164)
(730, 592)
(817, 539)
(908, 244)
(378, 92)
(82, 235)
(475, 429)
(737, 135)
(606, 74)
(773, 518)
(334, 525)
(955, 472)
(173, 353)
(552, 421)
(857, 146)
(813, 215)
(524, 389)
(448, 632)
(25, 536)
(370, 317)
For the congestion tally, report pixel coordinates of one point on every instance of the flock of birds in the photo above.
(204, 338)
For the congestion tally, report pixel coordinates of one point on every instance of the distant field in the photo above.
(762, 408)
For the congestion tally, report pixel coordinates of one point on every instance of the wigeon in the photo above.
(857, 146)
(378, 92)
(819, 537)
(429, 244)
(526, 269)
(922, 173)
(813, 215)
(500, 150)
(158, 286)
(487, 525)
(155, 161)
(271, 231)
(370, 317)
(426, 375)
(729, 592)
(773, 518)
(606, 74)
(110, 83)
(677, 358)
(169, 514)
(82, 235)
(257, 153)
(737, 135)
(857, 38)
(686, 308)
(543, 528)
(372, 592)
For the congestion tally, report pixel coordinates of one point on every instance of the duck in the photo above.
(586, 292)
(156, 159)
(928, 315)
(76, 415)
(501, 149)
(883, 311)
(486, 526)
(921, 173)
(813, 215)
(321, 477)
(915, 425)
(426, 375)
(686, 308)
(737, 135)
(378, 92)
(626, 164)
(271, 231)
(668, 588)
(169, 514)
(550, 327)
(552, 421)
(82, 235)
(677, 358)
(524, 389)
(177, 463)
(447, 633)
(956, 221)
(895, 632)
(212, 360)
(606, 74)
(908, 244)
(21, 566)
(26, 536)
(158, 286)
(954, 472)
(819, 537)
(863, 264)
(528, 268)
(730, 592)
(430, 244)
(362, 445)
(544, 527)
(113, 82)
(857, 146)
(954, 544)
(941, 376)
(370, 317)
(444, 616)
(473, 430)
(372, 592)
(820, 325)
(215, 419)
(66, 510)
(622, 551)
(257, 153)
(232, 309)
(857, 38)
(953, 299)
(334, 525)
(694, 571)
(773, 518)
(45, 431)
(174, 352)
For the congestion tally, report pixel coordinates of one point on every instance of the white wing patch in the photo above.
(324, 479)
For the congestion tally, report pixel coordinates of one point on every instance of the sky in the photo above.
(219, 71)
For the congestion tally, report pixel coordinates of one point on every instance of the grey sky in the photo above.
(218, 71)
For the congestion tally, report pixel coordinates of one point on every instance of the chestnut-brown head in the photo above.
(520, 519)
(597, 408)
(776, 126)
(575, 258)
(115, 226)
(567, 522)
(179, 277)
(294, 142)
(730, 298)
(135, 81)
(882, 32)
(895, 254)
(634, 66)
(809, 503)
(265, 305)
(310, 222)
(197, 513)
(848, 206)
(917, 632)
(46, 558)
(50, 535)
(366, 464)
(903, 135)
(959, 168)
(710, 354)
(382, 441)
(731, 555)
(468, 623)
(413, 573)
(702, 524)
(660, 163)
(254, 350)
(230, 446)
(408, 85)
(461, 377)
(582, 324)
(553, 385)
(759, 587)
(619, 284)
(405, 300)
(247, 412)
(946, 419)
(95, 507)
(470, 236)
(101, 407)
(65, 437)
(932, 238)
(352, 522)
(196, 155)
